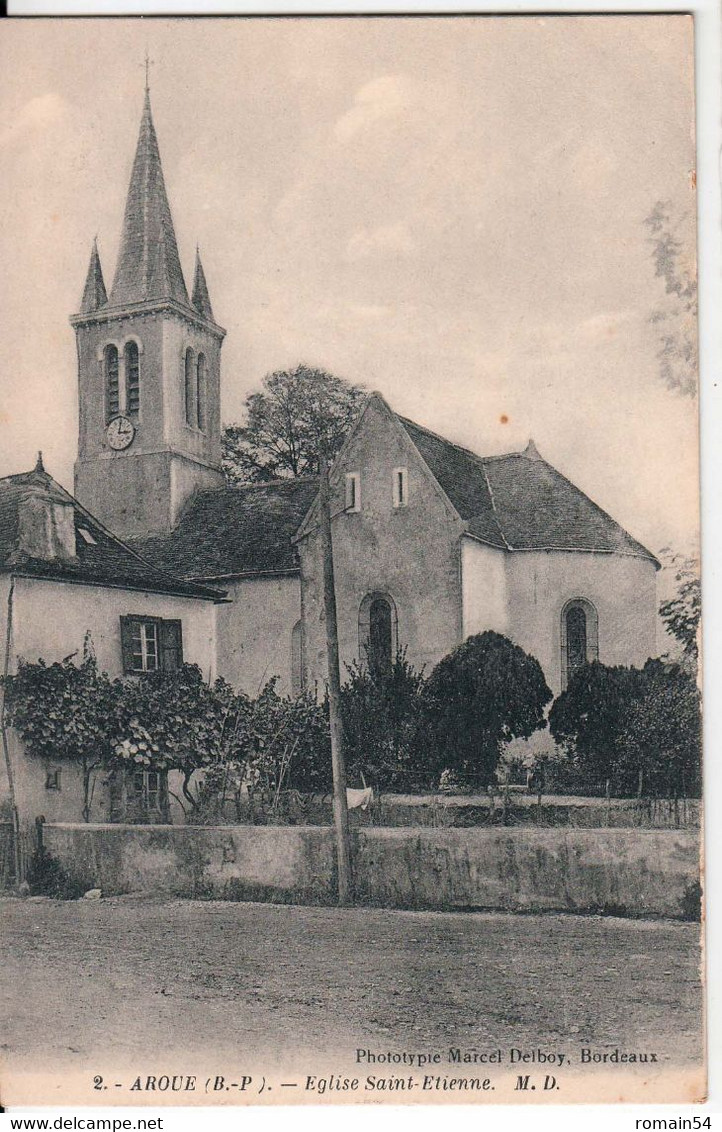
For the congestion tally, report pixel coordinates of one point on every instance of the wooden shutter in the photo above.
(171, 645)
(126, 642)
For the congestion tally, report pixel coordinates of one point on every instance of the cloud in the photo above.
(384, 97)
(368, 242)
(39, 114)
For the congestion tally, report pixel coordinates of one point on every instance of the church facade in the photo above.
(431, 542)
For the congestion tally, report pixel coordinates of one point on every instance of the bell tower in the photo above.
(148, 368)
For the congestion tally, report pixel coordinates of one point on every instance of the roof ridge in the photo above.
(454, 444)
(505, 456)
(494, 511)
(282, 481)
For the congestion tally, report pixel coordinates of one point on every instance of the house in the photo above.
(432, 543)
(67, 584)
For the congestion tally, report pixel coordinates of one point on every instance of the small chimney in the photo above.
(46, 520)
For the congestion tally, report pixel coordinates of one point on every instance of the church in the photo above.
(157, 561)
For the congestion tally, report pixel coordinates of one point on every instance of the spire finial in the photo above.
(147, 64)
(531, 451)
(39, 466)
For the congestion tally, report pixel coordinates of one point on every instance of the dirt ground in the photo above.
(98, 982)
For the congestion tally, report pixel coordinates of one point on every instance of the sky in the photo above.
(450, 211)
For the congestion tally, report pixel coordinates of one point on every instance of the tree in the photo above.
(659, 741)
(299, 412)
(681, 613)
(65, 712)
(677, 316)
(587, 717)
(174, 720)
(171, 720)
(382, 711)
(484, 693)
(636, 728)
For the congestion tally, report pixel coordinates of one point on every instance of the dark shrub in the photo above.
(484, 693)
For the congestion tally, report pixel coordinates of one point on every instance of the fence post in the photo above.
(39, 842)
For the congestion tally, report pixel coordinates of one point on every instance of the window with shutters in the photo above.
(146, 789)
(112, 384)
(132, 379)
(150, 644)
(138, 796)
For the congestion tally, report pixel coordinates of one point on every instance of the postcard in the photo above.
(349, 561)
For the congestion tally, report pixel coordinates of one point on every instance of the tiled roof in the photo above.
(148, 263)
(461, 475)
(235, 530)
(519, 501)
(100, 560)
(513, 502)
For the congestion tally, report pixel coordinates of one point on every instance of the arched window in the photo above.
(112, 387)
(298, 674)
(579, 637)
(201, 392)
(378, 631)
(132, 379)
(190, 388)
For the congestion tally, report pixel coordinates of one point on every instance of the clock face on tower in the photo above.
(120, 433)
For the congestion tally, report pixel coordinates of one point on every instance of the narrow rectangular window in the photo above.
(146, 795)
(401, 490)
(145, 646)
(353, 491)
(52, 778)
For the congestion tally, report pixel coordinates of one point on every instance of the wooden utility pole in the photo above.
(3, 730)
(340, 807)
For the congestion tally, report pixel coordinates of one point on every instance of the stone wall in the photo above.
(615, 871)
(253, 632)
(621, 588)
(410, 554)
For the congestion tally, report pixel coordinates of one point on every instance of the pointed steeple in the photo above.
(148, 263)
(201, 299)
(94, 293)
